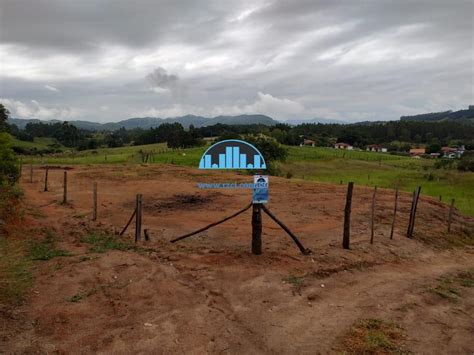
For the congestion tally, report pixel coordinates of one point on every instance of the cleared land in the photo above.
(100, 292)
(317, 164)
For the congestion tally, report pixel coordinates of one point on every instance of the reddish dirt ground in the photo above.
(208, 293)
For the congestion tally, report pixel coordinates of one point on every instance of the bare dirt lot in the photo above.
(208, 293)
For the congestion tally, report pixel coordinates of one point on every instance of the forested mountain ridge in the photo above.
(149, 122)
(467, 115)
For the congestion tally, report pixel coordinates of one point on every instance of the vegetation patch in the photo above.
(374, 336)
(296, 281)
(466, 279)
(15, 274)
(455, 239)
(75, 298)
(450, 286)
(101, 242)
(46, 249)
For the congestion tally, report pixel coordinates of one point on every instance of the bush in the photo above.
(444, 163)
(270, 149)
(467, 162)
(9, 169)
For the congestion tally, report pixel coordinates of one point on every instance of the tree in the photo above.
(4, 116)
(467, 162)
(113, 140)
(270, 149)
(434, 148)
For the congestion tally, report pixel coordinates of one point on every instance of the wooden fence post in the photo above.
(94, 201)
(411, 213)
(414, 205)
(65, 188)
(450, 216)
(347, 217)
(373, 217)
(394, 213)
(46, 179)
(257, 229)
(31, 173)
(138, 218)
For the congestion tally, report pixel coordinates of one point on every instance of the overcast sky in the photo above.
(108, 60)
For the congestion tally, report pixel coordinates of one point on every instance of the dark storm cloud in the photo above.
(160, 78)
(341, 59)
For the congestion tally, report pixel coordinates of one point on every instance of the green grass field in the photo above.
(382, 170)
(308, 163)
(38, 143)
(121, 155)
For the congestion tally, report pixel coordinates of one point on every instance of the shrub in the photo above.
(270, 148)
(467, 162)
(9, 169)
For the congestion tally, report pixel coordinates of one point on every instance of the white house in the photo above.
(343, 146)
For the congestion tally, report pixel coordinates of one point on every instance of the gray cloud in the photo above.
(160, 78)
(291, 59)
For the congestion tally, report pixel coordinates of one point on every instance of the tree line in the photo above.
(394, 135)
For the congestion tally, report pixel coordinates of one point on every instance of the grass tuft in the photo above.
(46, 248)
(100, 242)
(296, 281)
(374, 336)
(448, 286)
(75, 298)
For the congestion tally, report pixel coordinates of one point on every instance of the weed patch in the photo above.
(296, 281)
(374, 336)
(76, 298)
(15, 275)
(100, 242)
(46, 248)
(448, 287)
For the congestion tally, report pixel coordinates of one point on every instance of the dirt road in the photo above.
(210, 294)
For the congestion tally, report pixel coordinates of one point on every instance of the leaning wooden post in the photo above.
(373, 217)
(46, 179)
(394, 214)
(411, 224)
(257, 229)
(65, 188)
(450, 216)
(347, 216)
(94, 201)
(138, 218)
(31, 173)
(411, 213)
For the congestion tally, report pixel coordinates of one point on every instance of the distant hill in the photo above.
(298, 121)
(148, 122)
(461, 115)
